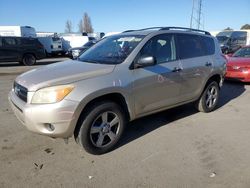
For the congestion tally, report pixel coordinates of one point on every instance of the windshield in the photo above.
(222, 39)
(224, 36)
(111, 50)
(55, 39)
(243, 52)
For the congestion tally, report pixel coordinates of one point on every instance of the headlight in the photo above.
(51, 94)
(244, 70)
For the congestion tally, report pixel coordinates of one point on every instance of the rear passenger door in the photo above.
(196, 64)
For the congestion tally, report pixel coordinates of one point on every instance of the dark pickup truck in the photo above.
(20, 49)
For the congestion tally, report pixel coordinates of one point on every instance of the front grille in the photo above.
(20, 91)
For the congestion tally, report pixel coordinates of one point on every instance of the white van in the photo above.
(231, 41)
(73, 41)
(111, 33)
(18, 31)
(52, 45)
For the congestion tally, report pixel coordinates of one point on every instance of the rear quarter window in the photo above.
(30, 42)
(209, 45)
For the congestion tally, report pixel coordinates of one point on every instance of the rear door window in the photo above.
(191, 46)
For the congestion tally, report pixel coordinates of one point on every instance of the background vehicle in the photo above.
(238, 66)
(52, 45)
(121, 78)
(21, 49)
(75, 52)
(110, 34)
(231, 41)
(72, 40)
(17, 31)
(97, 35)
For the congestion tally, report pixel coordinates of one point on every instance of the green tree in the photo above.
(246, 26)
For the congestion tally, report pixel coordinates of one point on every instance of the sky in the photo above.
(120, 15)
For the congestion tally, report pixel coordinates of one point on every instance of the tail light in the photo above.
(244, 70)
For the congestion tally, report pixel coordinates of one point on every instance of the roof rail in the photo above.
(128, 31)
(185, 29)
(149, 28)
(170, 28)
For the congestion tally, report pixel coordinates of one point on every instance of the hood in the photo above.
(239, 61)
(62, 73)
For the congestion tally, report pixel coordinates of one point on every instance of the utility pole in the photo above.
(197, 15)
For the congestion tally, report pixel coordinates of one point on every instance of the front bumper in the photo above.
(240, 76)
(39, 118)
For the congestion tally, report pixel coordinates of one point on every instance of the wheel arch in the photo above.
(116, 97)
(26, 53)
(216, 77)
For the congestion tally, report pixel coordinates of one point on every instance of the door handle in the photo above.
(208, 64)
(177, 69)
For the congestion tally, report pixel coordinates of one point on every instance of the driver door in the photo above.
(157, 87)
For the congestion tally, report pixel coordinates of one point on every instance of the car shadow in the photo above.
(145, 125)
(230, 91)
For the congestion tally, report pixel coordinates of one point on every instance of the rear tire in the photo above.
(101, 127)
(209, 98)
(29, 59)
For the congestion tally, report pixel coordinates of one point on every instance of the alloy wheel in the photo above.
(211, 96)
(104, 129)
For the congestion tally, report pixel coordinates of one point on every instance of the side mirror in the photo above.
(145, 61)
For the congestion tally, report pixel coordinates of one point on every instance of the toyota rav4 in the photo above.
(121, 78)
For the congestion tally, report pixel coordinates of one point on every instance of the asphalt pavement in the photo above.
(175, 148)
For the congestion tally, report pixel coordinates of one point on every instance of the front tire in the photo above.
(101, 127)
(29, 59)
(209, 98)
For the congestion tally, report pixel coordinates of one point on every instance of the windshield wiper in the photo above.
(89, 61)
